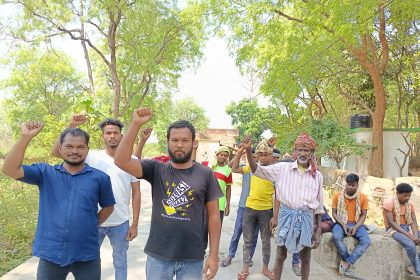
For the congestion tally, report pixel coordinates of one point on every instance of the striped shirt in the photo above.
(295, 189)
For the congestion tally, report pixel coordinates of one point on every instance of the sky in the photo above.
(215, 83)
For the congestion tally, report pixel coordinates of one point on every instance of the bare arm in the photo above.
(228, 192)
(235, 161)
(144, 135)
(135, 204)
(12, 165)
(316, 238)
(104, 213)
(122, 156)
(275, 219)
(394, 225)
(414, 229)
(338, 220)
(75, 121)
(247, 143)
(230, 163)
(212, 262)
(361, 220)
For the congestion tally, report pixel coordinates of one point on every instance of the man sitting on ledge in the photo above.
(399, 217)
(349, 209)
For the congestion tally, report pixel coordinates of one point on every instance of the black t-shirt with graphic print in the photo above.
(179, 225)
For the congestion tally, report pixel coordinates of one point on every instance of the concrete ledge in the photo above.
(385, 259)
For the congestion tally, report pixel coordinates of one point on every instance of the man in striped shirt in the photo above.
(299, 188)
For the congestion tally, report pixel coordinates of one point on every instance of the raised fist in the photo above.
(78, 119)
(272, 141)
(31, 128)
(241, 149)
(142, 115)
(247, 142)
(145, 133)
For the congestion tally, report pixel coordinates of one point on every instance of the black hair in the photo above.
(74, 132)
(108, 121)
(277, 151)
(181, 124)
(352, 178)
(253, 150)
(404, 188)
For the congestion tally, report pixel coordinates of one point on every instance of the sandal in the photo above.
(296, 269)
(226, 262)
(268, 274)
(242, 275)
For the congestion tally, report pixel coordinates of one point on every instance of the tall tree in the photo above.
(140, 43)
(291, 40)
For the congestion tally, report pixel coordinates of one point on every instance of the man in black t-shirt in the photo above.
(185, 204)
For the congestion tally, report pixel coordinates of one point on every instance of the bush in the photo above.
(18, 219)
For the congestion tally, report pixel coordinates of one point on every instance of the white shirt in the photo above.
(121, 185)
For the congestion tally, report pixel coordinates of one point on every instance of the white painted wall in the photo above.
(393, 140)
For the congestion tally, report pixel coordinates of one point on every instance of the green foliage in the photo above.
(334, 141)
(305, 50)
(18, 219)
(5, 130)
(250, 118)
(41, 86)
(183, 109)
(152, 150)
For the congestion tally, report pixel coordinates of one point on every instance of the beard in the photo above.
(303, 161)
(112, 144)
(182, 159)
(74, 163)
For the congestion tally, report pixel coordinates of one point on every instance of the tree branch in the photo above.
(384, 43)
(99, 52)
(280, 13)
(97, 27)
(353, 99)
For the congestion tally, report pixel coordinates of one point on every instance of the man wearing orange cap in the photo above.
(299, 188)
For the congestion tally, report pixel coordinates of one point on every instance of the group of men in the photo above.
(189, 201)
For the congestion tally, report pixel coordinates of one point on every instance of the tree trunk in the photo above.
(376, 163)
(375, 65)
(85, 50)
(399, 102)
(114, 20)
(418, 136)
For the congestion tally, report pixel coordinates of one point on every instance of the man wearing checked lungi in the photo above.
(299, 188)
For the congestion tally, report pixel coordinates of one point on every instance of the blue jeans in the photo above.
(160, 269)
(410, 247)
(361, 235)
(87, 270)
(118, 237)
(238, 232)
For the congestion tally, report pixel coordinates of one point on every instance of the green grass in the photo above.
(18, 219)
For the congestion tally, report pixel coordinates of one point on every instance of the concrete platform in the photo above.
(137, 258)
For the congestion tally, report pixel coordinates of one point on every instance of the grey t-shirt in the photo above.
(179, 223)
